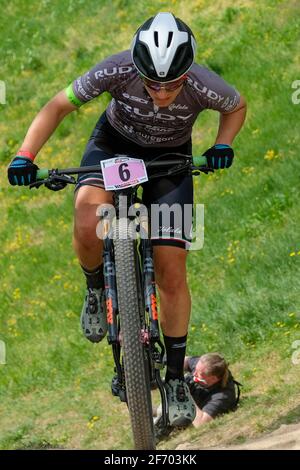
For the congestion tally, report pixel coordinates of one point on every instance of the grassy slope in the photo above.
(244, 282)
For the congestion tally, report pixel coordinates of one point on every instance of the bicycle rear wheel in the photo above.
(135, 361)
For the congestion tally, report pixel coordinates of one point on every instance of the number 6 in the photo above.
(123, 172)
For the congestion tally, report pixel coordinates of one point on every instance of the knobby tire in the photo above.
(135, 362)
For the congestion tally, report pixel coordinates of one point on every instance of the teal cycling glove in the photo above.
(219, 156)
(22, 171)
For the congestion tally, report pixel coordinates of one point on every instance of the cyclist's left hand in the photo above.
(219, 156)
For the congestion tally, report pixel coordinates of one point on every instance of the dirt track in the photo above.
(287, 437)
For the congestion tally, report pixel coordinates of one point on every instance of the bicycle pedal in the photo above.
(161, 430)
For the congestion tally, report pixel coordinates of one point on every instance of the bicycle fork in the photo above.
(109, 272)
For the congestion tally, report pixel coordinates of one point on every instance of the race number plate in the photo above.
(123, 172)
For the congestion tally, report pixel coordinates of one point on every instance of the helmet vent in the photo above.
(170, 39)
(156, 38)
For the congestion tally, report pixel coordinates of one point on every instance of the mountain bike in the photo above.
(130, 293)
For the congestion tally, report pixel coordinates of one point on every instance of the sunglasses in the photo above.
(168, 86)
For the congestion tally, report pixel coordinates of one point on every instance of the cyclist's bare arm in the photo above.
(201, 418)
(46, 121)
(231, 123)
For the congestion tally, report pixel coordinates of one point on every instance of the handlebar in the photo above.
(198, 163)
(176, 163)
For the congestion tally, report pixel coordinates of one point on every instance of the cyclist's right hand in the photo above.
(21, 171)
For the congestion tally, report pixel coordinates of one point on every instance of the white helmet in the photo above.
(163, 48)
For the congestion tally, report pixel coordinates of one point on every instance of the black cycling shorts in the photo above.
(175, 191)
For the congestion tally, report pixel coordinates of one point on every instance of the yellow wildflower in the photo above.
(270, 155)
(16, 294)
(248, 170)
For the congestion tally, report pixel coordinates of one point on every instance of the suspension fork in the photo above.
(111, 300)
(149, 288)
(109, 273)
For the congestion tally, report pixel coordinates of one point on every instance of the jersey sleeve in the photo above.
(104, 76)
(212, 91)
(219, 403)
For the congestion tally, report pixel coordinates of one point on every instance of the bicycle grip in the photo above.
(199, 160)
(42, 174)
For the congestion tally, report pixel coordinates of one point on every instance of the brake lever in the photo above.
(37, 184)
(53, 180)
(62, 179)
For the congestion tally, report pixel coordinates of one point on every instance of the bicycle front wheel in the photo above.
(136, 367)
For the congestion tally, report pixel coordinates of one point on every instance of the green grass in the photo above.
(244, 282)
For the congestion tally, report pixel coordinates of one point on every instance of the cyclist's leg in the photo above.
(88, 248)
(103, 144)
(175, 305)
(170, 240)
(87, 245)
(89, 195)
(170, 203)
(175, 301)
